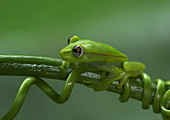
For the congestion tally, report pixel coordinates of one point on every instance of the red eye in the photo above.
(77, 51)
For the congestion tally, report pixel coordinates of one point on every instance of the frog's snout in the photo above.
(64, 51)
(61, 52)
(64, 54)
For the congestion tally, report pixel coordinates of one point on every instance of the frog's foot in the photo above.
(106, 80)
(65, 65)
(89, 84)
(103, 83)
(101, 86)
(97, 86)
(122, 77)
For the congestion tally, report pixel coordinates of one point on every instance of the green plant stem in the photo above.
(37, 66)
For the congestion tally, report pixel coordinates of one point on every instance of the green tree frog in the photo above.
(102, 57)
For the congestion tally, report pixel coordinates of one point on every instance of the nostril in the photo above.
(60, 52)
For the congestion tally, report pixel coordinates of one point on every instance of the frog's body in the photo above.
(102, 57)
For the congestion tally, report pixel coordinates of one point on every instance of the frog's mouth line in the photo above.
(99, 54)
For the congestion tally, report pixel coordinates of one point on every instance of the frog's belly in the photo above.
(97, 64)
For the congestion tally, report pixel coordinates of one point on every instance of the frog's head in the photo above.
(76, 49)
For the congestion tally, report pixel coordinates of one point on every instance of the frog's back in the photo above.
(102, 52)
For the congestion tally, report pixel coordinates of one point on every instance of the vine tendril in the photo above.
(161, 97)
(126, 92)
(139, 88)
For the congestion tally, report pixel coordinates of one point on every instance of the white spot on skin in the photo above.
(69, 83)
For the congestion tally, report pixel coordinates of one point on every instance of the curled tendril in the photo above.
(161, 98)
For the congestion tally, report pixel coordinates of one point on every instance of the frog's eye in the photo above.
(73, 39)
(69, 39)
(77, 51)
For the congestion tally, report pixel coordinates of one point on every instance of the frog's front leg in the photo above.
(66, 64)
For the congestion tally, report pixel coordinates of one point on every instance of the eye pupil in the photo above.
(77, 51)
(69, 39)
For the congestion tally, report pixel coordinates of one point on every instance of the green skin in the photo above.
(102, 57)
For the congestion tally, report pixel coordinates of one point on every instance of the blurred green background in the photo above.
(140, 29)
